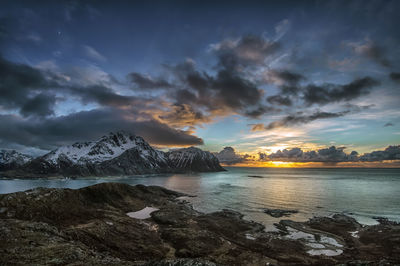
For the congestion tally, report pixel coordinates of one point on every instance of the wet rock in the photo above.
(277, 213)
(90, 226)
(181, 262)
(385, 221)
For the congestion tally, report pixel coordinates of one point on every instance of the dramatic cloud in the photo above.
(183, 115)
(226, 92)
(104, 96)
(146, 82)
(247, 51)
(330, 93)
(331, 155)
(40, 105)
(229, 156)
(284, 77)
(65, 68)
(234, 91)
(21, 86)
(288, 84)
(33, 91)
(296, 119)
(279, 100)
(390, 153)
(86, 125)
(395, 76)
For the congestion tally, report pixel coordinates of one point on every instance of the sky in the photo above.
(253, 81)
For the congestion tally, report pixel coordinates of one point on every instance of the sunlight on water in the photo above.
(362, 193)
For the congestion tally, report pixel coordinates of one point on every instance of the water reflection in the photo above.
(375, 192)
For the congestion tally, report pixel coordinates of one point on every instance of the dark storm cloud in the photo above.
(231, 91)
(185, 96)
(29, 90)
(288, 84)
(146, 82)
(258, 111)
(3, 30)
(32, 92)
(227, 91)
(298, 118)
(104, 96)
(285, 77)
(21, 86)
(330, 93)
(184, 115)
(87, 125)
(234, 91)
(40, 105)
(395, 76)
(279, 100)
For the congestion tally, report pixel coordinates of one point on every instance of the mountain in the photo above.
(118, 153)
(10, 159)
(193, 159)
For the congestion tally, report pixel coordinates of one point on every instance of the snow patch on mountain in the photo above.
(106, 148)
(11, 156)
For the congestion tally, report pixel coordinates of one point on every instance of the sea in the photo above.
(360, 193)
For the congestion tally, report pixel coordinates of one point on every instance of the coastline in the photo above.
(91, 225)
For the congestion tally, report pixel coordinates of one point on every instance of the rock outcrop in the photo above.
(116, 154)
(91, 226)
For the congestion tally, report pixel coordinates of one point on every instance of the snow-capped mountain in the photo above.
(10, 159)
(106, 148)
(193, 159)
(118, 153)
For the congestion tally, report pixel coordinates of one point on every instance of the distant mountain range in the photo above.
(115, 154)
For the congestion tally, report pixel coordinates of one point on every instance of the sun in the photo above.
(282, 164)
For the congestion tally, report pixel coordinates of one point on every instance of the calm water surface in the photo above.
(363, 193)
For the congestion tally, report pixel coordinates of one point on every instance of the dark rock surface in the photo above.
(277, 213)
(385, 221)
(90, 226)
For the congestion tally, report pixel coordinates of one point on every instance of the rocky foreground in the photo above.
(119, 224)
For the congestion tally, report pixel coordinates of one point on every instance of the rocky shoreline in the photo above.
(119, 224)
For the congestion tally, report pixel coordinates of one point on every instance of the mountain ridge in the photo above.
(10, 159)
(118, 153)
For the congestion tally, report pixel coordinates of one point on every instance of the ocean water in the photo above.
(361, 193)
